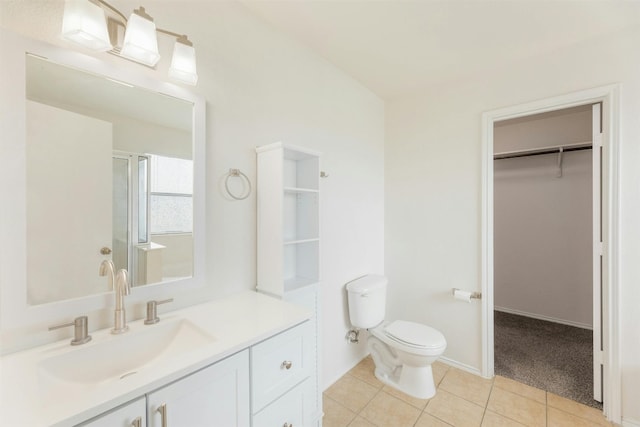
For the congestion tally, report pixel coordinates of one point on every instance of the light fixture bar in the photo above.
(133, 38)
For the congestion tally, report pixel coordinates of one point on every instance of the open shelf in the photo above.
(288, 218)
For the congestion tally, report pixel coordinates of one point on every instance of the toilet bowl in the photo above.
(402, 351)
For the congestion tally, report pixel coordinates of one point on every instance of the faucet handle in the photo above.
(80, 330)
(152, 311)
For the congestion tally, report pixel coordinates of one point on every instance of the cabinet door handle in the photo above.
(137, 422)
(287, 425)
(287, 364)
(163, 414)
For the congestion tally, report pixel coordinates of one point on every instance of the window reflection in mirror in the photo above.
(109, 175)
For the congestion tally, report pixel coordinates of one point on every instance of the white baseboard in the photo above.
(630, 423)
(460, 366)
(543, 317)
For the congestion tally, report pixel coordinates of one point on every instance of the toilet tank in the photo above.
(367, 300)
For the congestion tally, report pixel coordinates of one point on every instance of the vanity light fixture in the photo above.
(183, 62)
(140, 41)
(97, 25)
(84, 23)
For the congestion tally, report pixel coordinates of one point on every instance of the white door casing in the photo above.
(596, 131)
(608, 97)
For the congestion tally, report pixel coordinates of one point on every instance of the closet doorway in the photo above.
(605, 254)
(546, 206)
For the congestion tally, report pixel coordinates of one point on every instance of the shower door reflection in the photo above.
(120, 222)
(130, 213)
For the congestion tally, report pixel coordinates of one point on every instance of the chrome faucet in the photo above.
(120, 288)
(107, 268)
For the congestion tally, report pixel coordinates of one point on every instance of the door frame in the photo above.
(609, 97)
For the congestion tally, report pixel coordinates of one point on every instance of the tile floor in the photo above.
(358, 399)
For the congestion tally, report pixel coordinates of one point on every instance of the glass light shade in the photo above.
(84, 23)
(183, 64)
(140, 41)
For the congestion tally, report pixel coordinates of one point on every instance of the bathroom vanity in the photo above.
(242, 360)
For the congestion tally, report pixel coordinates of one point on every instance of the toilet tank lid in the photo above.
(367, 283)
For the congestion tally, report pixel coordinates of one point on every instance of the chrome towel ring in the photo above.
(237, 173)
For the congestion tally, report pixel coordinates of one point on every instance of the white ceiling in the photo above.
(395, 47)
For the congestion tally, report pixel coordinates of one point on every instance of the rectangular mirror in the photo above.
(109, 176)
(99, 160)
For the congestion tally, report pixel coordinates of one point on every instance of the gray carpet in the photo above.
(550, 356)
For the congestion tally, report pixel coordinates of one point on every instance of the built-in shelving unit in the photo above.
(288, 191)
(288, 218)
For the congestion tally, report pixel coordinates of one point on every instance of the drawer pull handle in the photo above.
(287, 364)
(287, 425)
(163, 414)
(137, 422)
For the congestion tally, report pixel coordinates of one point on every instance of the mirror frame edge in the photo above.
(14, 310)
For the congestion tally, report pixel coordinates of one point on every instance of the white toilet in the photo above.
(402, 351)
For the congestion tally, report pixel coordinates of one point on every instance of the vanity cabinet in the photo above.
(272, 383)
(132, 414)
(288, 244)
(216, 395)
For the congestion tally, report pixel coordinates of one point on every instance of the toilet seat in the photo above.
(411, 337)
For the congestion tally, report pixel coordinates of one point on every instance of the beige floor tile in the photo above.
(491, 419)
(413, 401)
(364, 371)
(351, 392)
(360, 422)
(521, 389)
(524, 410)
(454, 410)
(386, 410)
(592, 414)
(467, 385)
(427, 420)
(335, 415)
(439, 371)
(558, 418)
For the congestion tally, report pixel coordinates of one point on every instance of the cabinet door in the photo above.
(132, 414)
(215, 396)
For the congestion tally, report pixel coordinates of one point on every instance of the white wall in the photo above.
(433, 182)
(542, 222)
(262, 87)
(55, 195)
(561, 127)
(542, 237)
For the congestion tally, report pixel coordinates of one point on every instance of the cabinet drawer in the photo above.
(294, 408)
(280, 363)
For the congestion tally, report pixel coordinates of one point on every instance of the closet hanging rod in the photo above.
(545, 150)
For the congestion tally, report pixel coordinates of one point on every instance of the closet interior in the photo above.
(543, 251)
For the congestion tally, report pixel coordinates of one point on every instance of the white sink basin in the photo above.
(116, 357)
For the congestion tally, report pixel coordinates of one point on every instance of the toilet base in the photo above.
(411, 380)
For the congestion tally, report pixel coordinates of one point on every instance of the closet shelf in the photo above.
(299, 190)
(543, 150)
(293, 283)
(295, 242)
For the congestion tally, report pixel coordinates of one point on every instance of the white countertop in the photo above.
(27, 397)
